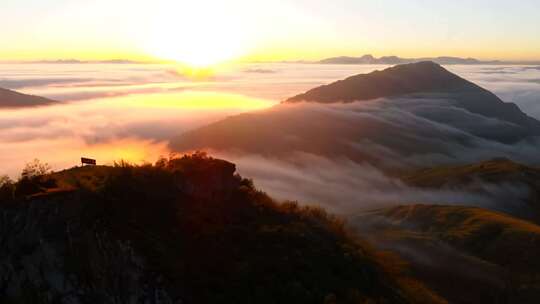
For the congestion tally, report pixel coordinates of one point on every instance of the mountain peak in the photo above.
(427, 65)
(425, 76)
(368, 56)
(415, 78)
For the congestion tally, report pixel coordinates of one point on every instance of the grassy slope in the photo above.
(495, 171)
(493, 252)
(470, 177)
(216, 239)
(493, 236)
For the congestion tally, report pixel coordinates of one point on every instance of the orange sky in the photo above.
(205, 32)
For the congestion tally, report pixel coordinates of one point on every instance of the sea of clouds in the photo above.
(355, 170)
(130, 111)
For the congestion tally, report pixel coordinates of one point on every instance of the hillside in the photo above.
(421, 77)
(12, 99)
(495, 170)
(412, 115)
(475, 177)
(489, 257)
(185, 230)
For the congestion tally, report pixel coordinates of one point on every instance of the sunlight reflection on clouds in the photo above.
(144, 105)
(135, 128)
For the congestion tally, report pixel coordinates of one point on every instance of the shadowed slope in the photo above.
(12, 99)
(472, 177)
(489, 257)
(187, 230)
(422, 77)
(495, 170)
(426, 115)
(398, 80)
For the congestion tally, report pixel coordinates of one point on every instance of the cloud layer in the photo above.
(135, 128)
(131, 111)
(346, 187)
(67, 82)
(389, 133)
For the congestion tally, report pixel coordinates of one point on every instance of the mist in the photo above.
(132, 112)
(133, 128)
(345, 187)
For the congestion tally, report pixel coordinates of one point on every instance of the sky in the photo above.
(205, 31)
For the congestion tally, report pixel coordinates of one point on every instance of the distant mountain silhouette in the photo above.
(12, 99)
(369, 59)
(421, 77)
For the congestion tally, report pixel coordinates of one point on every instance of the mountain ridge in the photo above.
(13, 99)
(370, 59)
(386, 117)
(420, 77)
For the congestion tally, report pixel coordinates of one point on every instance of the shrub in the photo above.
(35, 169)
(6, 188)
(34, 178)
(5, 180)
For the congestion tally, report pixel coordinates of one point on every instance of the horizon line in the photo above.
(240, 60)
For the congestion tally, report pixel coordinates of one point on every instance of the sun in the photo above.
(196, 35)
(200, 47)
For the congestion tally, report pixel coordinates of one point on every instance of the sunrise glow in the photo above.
(263, 151)
(197, 100)
(192, 34)
(206, 32)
